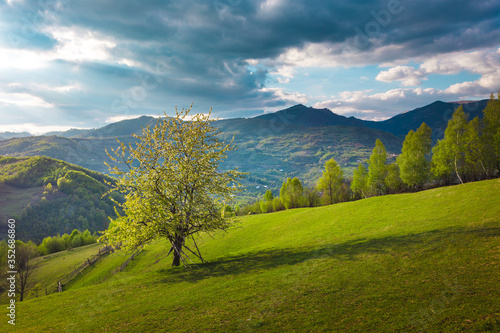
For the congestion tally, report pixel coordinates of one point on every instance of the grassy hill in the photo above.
(426, 261)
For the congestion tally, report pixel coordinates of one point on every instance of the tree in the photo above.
(25, 252)
(491, 136)
(173, 186)
(474, 164)
(312, 196)
(414, 160)
(330, 183)
(266, 205)
(358, 184)
(377, 169)
(291, 194)
(448, 156)
(393, 182)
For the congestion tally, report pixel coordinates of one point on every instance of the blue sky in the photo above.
(82, 64)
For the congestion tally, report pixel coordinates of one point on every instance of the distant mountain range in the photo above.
(270, 147)
(435, 115)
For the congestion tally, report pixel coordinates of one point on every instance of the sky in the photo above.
(83, 64)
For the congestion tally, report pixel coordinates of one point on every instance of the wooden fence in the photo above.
(79, 270)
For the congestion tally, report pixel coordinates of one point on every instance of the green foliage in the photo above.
(469, 150)
(38, 171)
(278, 204)
(291, 194)
(174, 188)
(78, 204)
(449, 153)
(377, 169)
(414, 160)
(491, 137)
(313, 196)
(60, 243)
(359, 181)
(330, 183)
(393, 181)
(268, 196)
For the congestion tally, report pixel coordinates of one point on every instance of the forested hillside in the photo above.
(47, 196)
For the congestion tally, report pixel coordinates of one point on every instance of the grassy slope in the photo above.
(412, 262)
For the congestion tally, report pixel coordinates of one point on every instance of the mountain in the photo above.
(435, 115)
(269, 151)
(120, 128)
(310, 117)
(294, 142)
(8, 135)
(73, 200)
(71, 133)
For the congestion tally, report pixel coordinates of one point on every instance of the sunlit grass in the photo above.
(426, 261)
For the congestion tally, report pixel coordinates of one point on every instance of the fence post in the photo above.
(59, 286)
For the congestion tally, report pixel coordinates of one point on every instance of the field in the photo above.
(426, 261)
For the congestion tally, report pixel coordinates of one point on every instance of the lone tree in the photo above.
(25, 252)
(173, 186)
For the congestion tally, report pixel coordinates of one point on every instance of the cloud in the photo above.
(379, 106)
(95, 59)
(280, 94)
(408, 76)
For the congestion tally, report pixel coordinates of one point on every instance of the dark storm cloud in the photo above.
(200, 48)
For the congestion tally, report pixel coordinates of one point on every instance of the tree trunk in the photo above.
(177, 248)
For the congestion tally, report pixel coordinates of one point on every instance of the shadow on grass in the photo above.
(349, 250)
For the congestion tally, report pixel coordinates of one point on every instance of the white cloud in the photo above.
(115, 119)
(280, 94)
(379, 106)
(286, 73)
(408, 76)
(485, 63)
(33, 128)
(80, 44)
(22, 59)
(24, 100)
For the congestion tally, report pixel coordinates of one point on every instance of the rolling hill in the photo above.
(270, 152)
(426, 261)
(71, 201)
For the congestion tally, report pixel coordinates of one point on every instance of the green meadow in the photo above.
(427, 261)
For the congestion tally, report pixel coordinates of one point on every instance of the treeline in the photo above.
(469, 151)
(331, 188)
(56, 243)
(66, 242)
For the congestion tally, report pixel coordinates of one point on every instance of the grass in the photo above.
(426, 261)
